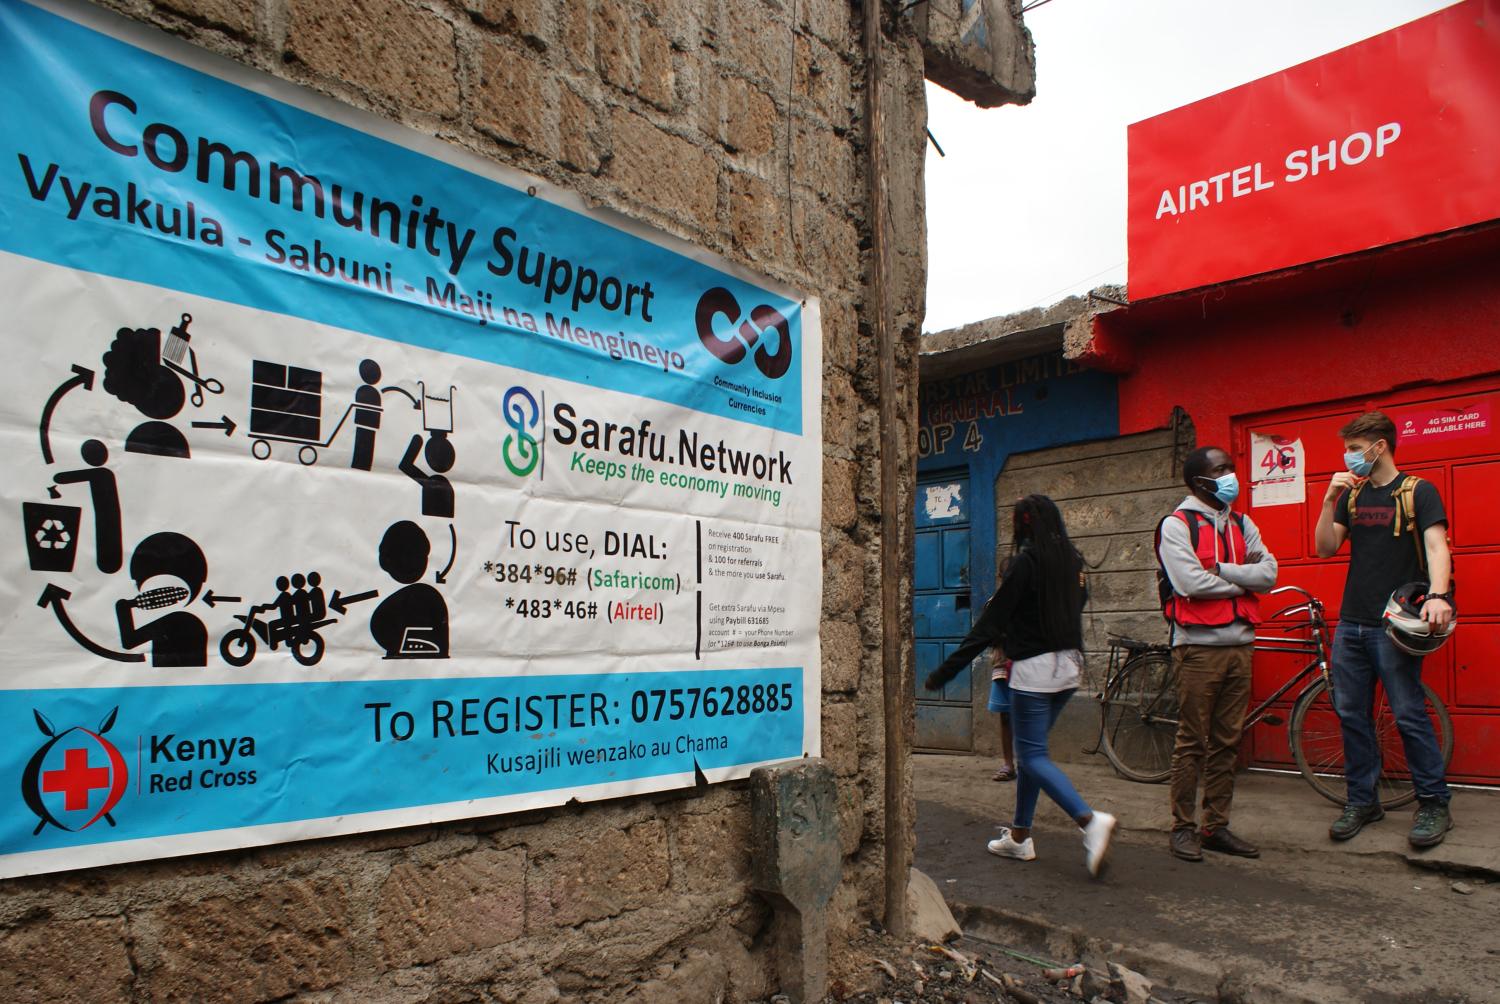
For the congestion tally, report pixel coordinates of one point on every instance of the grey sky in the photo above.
(1029, 204)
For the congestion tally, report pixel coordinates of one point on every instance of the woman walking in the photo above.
(1037, 612)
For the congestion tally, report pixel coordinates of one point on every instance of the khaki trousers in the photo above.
(1213, 690)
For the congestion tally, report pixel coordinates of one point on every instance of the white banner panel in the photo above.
(355, 482)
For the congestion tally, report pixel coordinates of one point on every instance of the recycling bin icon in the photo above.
(51, 535)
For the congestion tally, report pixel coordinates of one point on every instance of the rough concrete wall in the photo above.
(997, 328)
(733, 124)
(1112, 493)
(978, 49)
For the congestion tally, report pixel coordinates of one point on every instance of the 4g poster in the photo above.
(354, 482)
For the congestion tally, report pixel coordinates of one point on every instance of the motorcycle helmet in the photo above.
(1404, 624)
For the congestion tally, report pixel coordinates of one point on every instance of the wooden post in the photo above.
(897, 690)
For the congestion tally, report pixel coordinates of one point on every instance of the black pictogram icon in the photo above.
(437, 491)
(177, 638)
(411, 623)
(74, 764)
(53, 596)
(437, 422)
(177, 349)
(301, 608)
(441, 575)
(341, 603)
(105, 498)
(286, 406)
(51, 535)
(395, 388)
(81, 378)
(134, 373)
(224, 423)
(367, 409)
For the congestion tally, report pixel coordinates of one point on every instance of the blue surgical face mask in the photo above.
(1226, 488)
(1355, 461)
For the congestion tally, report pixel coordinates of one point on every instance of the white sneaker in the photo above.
(1004, 847)
(1096, 838)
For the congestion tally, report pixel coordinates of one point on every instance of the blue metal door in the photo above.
(942, 614)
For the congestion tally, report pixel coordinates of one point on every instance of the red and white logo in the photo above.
(75, 778)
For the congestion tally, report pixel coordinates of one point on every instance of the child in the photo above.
(1000, 705)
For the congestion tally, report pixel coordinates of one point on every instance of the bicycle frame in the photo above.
(1141, 693)
(1315, 645)
(1284, 622)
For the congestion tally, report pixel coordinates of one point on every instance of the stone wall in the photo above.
(736, 125)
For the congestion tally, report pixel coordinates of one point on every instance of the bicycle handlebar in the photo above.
(1293, 589)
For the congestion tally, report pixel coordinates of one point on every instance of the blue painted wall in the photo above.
(970, 425)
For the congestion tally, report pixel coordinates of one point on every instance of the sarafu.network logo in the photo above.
(75, 778)
(520, 449)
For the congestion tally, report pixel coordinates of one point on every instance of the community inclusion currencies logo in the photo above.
(520, 451)
(762, 320)
(60, 781)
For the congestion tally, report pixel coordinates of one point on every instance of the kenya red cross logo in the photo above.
(76, 778)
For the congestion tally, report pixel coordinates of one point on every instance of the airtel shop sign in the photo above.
(1386, 140)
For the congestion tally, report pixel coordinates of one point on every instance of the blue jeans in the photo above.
(1363, 655)
(1032, 716)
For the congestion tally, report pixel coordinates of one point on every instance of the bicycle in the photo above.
(1139, 708)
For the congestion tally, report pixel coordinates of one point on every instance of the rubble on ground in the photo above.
(880, 969)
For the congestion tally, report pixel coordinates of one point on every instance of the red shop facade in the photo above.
(1310, 246)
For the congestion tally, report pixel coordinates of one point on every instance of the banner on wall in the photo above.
(354, 482)
(1386, 140)
(1434, 423)
(1279, 476)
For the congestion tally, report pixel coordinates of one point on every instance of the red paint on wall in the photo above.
(1414, 329)
(1358, 327)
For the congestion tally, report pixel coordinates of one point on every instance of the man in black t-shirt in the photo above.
(1397, 534)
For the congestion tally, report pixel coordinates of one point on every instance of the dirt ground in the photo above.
(1368, 921)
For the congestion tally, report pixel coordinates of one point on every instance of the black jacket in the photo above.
(1013, 619)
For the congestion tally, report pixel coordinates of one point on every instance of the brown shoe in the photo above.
(1224, 842)
(1186, 845)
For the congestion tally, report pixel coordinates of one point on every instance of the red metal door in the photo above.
(1450, 435)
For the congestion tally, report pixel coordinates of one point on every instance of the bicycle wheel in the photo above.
(1318, 745)
(1140, 718)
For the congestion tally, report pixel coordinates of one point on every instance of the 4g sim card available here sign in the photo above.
(351, 484)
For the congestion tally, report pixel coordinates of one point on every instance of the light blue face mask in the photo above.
(1226, 488)
(1355, 461)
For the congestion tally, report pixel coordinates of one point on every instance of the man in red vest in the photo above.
(1213, 561)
